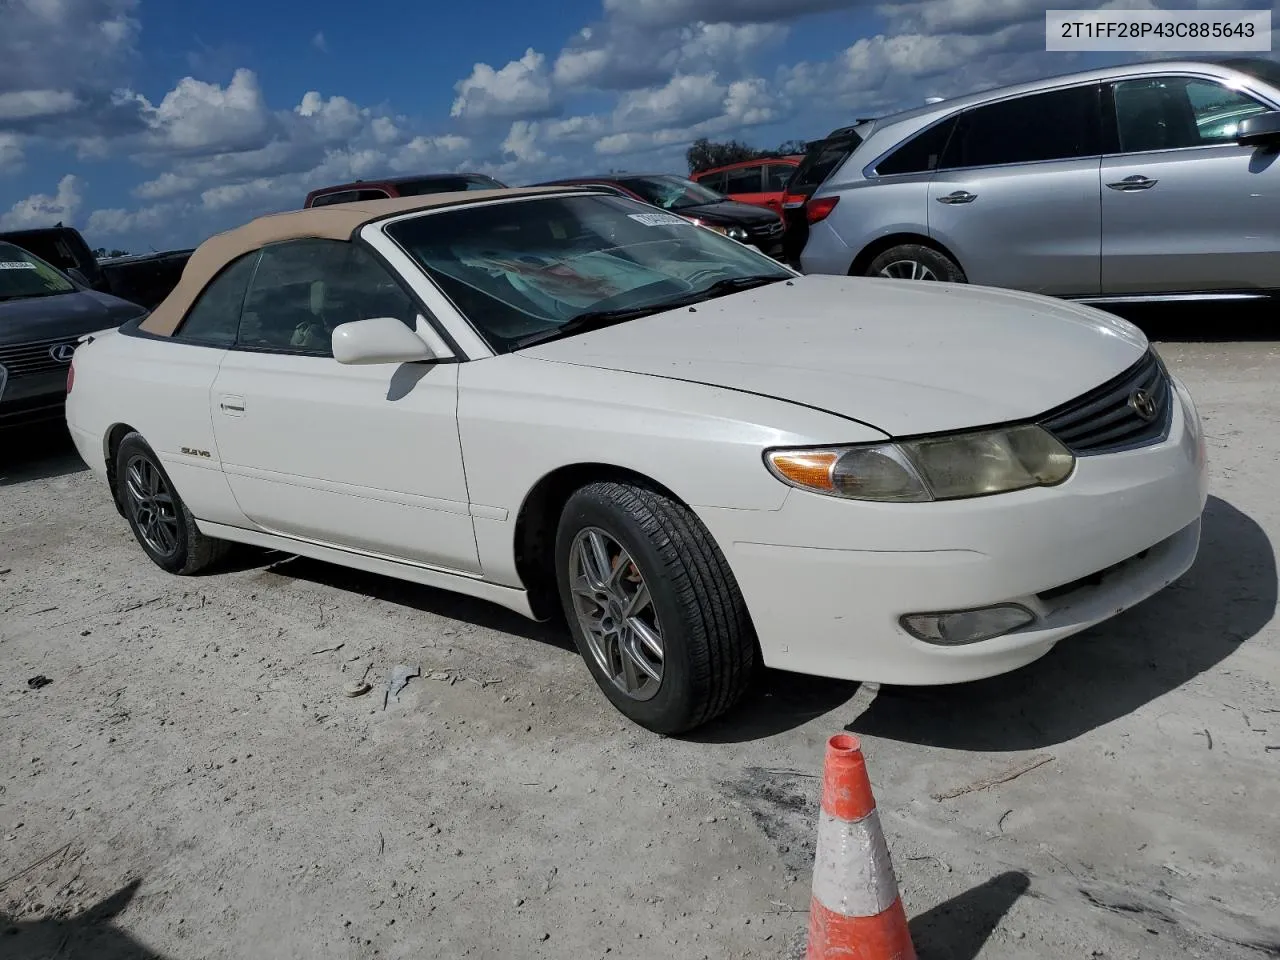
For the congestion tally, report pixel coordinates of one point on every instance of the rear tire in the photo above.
(914, 261)
(161, 522)
(653, 607)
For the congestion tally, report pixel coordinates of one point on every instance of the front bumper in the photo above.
(33, 399)
(826, 580)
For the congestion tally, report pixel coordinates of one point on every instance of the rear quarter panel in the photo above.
(159, 388)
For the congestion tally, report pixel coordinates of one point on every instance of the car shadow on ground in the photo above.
(38, 452)
(90, 935)
(443, 603)
(1203, 322)
(1107, 672)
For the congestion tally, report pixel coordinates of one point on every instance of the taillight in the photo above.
(71, 376)
(820, 209)
(793, 201)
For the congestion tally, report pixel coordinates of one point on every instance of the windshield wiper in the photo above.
(598, 319)
(591, 320)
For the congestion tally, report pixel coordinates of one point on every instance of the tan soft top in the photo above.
(337, 222)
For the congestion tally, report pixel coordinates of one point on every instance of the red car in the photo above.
(760, 182)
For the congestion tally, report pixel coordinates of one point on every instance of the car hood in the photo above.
(730, 212)
(905, 357)
(63, 315)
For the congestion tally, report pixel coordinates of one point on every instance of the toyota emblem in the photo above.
(63, 352)
(1143, 405)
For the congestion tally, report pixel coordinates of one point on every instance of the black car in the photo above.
(820, 158)
(43, 314)
(739, 221)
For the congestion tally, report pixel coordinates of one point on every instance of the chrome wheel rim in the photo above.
(616, 613)
(907, 270)
(152, 506)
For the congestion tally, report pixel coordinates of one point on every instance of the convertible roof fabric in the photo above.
(339, 221)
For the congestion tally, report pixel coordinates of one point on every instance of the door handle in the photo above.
(1135, 182)
(959, 196)
(232, 406)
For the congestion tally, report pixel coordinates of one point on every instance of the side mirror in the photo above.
(379, 340)
(1261, 128)
(78, 277)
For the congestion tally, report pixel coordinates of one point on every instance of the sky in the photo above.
(152, 124)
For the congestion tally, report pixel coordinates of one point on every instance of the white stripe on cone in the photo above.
(852, 873)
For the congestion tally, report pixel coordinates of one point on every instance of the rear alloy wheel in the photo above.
(653, 607)
(161, 522)
(913, 261)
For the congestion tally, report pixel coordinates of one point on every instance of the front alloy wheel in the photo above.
(652, 605)
(616, 613)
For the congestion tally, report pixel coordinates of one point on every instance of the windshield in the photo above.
(519, 270)
(671, 193)
(475, 181)
(23, 275)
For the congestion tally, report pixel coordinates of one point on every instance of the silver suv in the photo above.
(1152, 181)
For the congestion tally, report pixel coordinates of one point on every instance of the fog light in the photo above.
(967, 626)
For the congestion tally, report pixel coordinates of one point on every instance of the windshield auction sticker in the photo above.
(659, 219)
(1158, 31)
(16, 265)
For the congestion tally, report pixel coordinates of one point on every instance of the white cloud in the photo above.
(684, 100)
(114, 222)
(44, 210)
(30, 104)
(625, 56)
(521, 142)
(428, 154)
(198, 117)
(521, 89)
(319, 42)
(333, 119)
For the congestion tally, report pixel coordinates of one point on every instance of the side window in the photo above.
(743, 180)
(303, 289)
(776, 176)
(1169, 113)
(344, 196)
(214, 317)
(1059, 125)
(920, 154)
(714, 181)
(371, 195)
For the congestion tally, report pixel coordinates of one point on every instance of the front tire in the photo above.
(653, 607)
(161, 522)
(914, 261)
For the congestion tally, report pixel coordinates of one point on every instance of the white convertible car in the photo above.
(559, 399)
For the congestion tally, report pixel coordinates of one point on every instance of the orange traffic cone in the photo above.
(856, 912)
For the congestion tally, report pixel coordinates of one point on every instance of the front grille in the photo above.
(31, 359)
(766, 232)
(1106, 420)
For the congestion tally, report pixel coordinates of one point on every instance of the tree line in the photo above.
(703, 154)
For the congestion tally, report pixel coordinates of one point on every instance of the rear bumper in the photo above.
(827, 581)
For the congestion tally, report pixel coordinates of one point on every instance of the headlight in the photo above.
(736, 233)
(949, 467)
(709, 226)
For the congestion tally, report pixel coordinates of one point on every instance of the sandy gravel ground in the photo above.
(193, 783)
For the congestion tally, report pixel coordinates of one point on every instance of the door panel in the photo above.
(1034, 227)
(1016, 195)
(364, 457)
(746, 185)
(360, 456)
(1184, 208)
